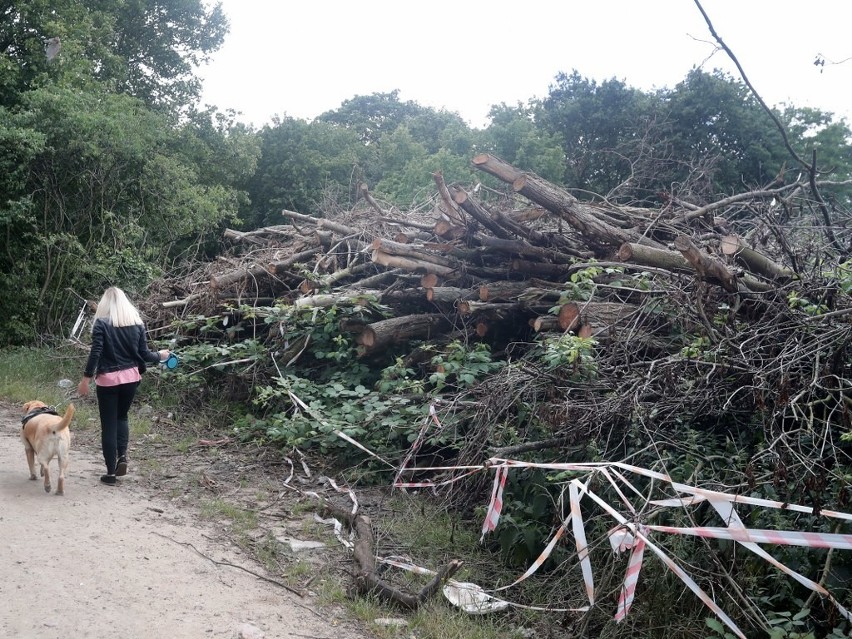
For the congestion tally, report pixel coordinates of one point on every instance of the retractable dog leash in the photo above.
(170, 363)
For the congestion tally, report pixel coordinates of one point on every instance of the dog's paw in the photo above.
(59, 493)
(32, 476)
(47, 488)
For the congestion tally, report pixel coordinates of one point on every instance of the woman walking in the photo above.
(116, 360)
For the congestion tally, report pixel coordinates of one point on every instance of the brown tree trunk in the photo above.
(657, 258)
(379, 335)
(411, 264)
(707, 267)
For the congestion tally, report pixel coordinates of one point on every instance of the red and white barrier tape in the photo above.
(630, 534)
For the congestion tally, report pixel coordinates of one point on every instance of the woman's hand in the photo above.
(164, 354)
(83, 387)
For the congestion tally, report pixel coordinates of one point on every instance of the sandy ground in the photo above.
(107, 561)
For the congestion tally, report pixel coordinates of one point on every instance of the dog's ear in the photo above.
(31, 405)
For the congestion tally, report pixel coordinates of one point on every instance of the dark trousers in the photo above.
(113, 406)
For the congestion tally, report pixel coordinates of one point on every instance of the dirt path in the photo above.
(121, 562)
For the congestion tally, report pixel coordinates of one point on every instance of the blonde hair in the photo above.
(115, 306)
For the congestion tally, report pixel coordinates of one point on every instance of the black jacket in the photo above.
(117, 348)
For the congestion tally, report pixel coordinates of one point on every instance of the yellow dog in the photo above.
(46, 435)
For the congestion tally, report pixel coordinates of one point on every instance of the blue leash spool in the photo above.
(171, 362)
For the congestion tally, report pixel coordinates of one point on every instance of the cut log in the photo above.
(575, 314)
(248, 238)
(586, 219)
(449, 231)
(414, 252)
(453, 213)
(657, 258)
(411, 264)
(284, 265)
(346, 298)
(501, 290)
(497, 167)
(544, 323)
(379, 335)
(479, 213)
(754, 261)
(522, 249)
(533, 290)
(430, 280)
(369, 199)
(323, 223)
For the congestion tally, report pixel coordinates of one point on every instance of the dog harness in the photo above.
(35, 412)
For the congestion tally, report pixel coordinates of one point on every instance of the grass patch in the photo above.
(35, 373)
(241, 520)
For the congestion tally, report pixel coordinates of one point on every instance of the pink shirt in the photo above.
(115, 378)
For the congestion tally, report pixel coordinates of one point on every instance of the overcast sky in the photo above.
(302, 58)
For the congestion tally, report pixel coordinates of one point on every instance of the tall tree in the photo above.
(514, 135)
(143, 48)
(601, 127)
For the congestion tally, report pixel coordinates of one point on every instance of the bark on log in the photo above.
(298, 258)
(657, 258)
(453, 214)
(522, 249)
(226, 280)
(584, 218)
(504, 227)
(411, 264)
(321, 222)
(575, 314)
(369, 199)
(379, 335)
(449, 294)
(496, 167)
(248, 238)
(345, 298)
(479, 213)
(510, 290)
(707, 267)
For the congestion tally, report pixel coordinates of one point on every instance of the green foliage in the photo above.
(795, 300)
(527, 520)
(459, 366)
(135, 47)
(570, 353)
(298, 161)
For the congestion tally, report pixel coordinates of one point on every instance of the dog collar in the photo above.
(35, 412)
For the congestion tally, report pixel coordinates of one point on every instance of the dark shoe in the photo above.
(108, 479)
(121, 467)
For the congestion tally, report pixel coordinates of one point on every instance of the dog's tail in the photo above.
(66, 418)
